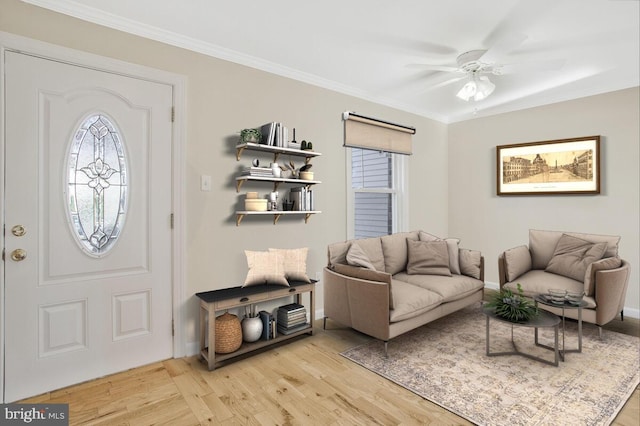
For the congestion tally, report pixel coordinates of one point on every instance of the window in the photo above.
(97, 185)
(377, 198)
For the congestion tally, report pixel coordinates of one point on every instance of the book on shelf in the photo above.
(292, 307)
(268, 132)
(290, 330)
(257, 171)
(267, 325)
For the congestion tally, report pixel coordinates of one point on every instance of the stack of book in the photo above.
(257, 171)
(292, 318)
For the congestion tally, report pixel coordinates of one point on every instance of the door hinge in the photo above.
(171, 220)
(173, 114)
(173, 328)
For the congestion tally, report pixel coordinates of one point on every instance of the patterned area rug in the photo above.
(446, 363)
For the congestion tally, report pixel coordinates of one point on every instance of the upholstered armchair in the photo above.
(574, 262)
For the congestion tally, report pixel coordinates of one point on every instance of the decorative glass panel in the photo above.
(97, 184)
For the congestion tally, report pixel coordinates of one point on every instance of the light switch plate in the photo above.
(205, 183)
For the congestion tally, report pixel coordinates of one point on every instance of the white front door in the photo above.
(87, 224)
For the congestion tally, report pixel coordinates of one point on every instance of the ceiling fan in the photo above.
(475, 66)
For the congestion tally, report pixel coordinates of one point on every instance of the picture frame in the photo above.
(564, 166)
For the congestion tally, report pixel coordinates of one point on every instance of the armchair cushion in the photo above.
(599, 265)
(428, 258)
(542, 244)
(470, 263)
(517, 261)
(573, 255)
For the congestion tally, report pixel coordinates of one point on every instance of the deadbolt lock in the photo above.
(18, 230)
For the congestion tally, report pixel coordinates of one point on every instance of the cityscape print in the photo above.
(548, 167)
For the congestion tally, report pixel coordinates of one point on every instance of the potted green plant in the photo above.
(250, 135)
(513, 307)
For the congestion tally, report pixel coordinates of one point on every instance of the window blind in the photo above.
(370, 133)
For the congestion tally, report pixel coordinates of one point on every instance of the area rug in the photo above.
(445, 362)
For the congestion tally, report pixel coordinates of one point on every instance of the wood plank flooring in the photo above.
(300, 383)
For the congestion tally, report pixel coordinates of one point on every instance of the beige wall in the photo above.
(222, 99)
(494, 223)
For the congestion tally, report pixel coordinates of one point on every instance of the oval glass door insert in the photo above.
(97, 184)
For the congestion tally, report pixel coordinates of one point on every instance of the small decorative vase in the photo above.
(251, 329)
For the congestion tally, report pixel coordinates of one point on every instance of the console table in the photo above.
(229, 298)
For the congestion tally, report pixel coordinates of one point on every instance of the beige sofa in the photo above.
(574, 262)
(386, 286)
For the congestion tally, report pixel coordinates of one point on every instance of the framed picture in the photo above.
(566, 166)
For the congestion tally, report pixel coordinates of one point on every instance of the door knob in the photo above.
(18, 230)
(18, 255)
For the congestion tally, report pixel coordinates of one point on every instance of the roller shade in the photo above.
(370, 133)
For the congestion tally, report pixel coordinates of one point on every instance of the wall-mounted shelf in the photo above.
(275, 150)
(276, 214)
(240, 180)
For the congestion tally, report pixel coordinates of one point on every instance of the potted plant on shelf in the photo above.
(513, 307)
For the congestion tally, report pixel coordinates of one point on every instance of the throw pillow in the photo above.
(365, 274)
(573, 255)
(295, 263)
(357, 257)
(517, 261)
(264, 268)
(452, 247)
(599, 265)
(428, 258)
(471, 263)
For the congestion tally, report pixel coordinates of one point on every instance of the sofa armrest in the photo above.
(610, 291)
(360, 304)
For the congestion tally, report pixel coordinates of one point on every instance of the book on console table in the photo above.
(290, 330)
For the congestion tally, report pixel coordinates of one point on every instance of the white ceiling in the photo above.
(571, 48)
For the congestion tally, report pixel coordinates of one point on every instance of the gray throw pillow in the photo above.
(599, 265)
(428, 258)
(517, 261)
(572, 257)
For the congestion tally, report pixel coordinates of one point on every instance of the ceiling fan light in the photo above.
(468, 90)
(484, 88)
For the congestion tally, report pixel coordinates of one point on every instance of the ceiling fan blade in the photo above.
(511, 32)
(446, 82)
(527, 67)
(433, 67)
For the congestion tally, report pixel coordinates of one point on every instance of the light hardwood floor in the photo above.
(303, 382)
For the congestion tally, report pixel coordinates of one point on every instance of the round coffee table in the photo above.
(544, 319)
(544, 300)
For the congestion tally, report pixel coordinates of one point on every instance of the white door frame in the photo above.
(25, 45)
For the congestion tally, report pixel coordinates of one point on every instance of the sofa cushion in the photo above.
(394, 248)
(295, 263)
(539, 282)
(451, 288)
(264, 268)
(410, 301)
(373, 249)
(428, 257)
(573, 255)
(366, 274)
(542, 244)
(517, 261)
(470, 263)
(337, 252)
(357, 257)
(452, 247)
(598, 265)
